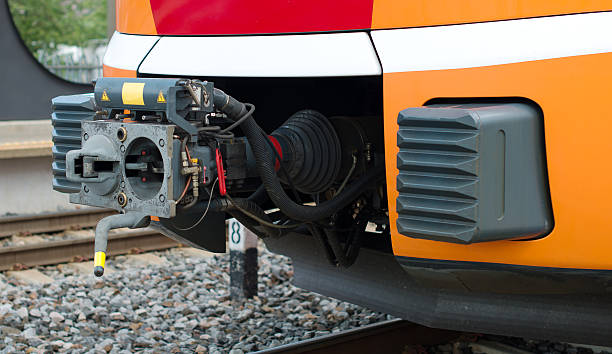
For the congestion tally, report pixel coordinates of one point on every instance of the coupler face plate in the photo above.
(124, 166)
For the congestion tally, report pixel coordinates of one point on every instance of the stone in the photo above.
(34, 341)
(117, 316)
(6, 330)
(5, 309)
(22, 312)
(29, 333)
(56, 317)
(106, 345)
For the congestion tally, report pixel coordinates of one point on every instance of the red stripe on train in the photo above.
(211, 17)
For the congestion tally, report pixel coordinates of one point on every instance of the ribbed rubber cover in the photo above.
(68, 113)
(438, 180)
(316, 148)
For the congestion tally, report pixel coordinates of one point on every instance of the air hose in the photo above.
(236, 109)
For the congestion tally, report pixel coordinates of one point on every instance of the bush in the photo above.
(44, 24)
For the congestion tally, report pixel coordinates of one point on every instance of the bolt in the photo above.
(122, 199)
(85, 188)
(122, 134)
(122, 184)
(85, 136)
(162, 198)
(161, 142)
(122, 148)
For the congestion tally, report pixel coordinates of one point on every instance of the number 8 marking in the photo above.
(235, 232)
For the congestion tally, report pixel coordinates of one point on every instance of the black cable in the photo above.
(260, 196)
(210, 128)
(241, 119)
(282, 166)
(184, 143)
(214, 133)
(259, 230)
(257, 218)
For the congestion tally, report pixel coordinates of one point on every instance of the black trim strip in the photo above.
(469, 265)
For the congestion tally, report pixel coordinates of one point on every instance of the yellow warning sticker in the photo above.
(105, 96)
(161, 98)
(133, 93)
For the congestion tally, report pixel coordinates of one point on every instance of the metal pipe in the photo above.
(131, 220)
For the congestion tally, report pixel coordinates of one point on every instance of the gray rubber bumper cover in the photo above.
(472, 173)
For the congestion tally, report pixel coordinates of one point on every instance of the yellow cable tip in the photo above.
(99, 259)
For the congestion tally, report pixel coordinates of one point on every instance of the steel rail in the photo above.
(55, 221)
(54, 252)
(384, 337)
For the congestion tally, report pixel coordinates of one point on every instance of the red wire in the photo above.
(184, 190)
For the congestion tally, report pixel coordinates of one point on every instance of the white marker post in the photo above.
(243, 261)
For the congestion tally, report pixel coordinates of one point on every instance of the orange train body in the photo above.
(572, 94)
(419, 13)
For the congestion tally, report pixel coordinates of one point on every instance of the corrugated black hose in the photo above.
(234, 109)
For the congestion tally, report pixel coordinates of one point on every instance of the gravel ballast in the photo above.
(180, 305)
(178, 301)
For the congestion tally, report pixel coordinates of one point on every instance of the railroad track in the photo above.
(79, 249)
(49, 222)
(393, 336)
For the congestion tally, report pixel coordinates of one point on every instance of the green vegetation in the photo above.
(44, 24)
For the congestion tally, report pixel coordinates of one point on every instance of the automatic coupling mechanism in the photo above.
(166, 152)
(134, 156)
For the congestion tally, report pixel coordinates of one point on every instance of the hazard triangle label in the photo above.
(161, 98)
(105, 96)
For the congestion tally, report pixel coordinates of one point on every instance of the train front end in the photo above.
(430, 160)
